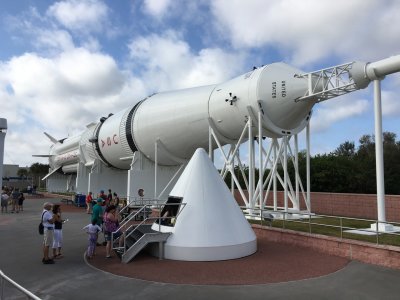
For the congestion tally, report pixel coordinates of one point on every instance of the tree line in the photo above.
(36, 171)
(348, 169)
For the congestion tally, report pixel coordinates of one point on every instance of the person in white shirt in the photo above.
(4, 202)
(48, 223)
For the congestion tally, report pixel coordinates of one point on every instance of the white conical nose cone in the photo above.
(211, 225)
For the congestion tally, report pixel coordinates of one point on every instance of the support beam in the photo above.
(380, 182)
(251, 163)
(260, 161)
(308, 167)
(155, 168)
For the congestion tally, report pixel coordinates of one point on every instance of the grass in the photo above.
(330, 226)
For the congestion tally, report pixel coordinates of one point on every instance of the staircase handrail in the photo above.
(131, 216)
(145, 219)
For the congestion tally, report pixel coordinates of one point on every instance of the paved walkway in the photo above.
(72, 278)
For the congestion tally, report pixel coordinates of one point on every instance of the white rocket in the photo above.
(179, 120)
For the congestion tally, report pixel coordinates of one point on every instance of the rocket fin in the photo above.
(51, 138)
(51, 173)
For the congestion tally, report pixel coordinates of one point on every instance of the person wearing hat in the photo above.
(97, 212)
(103, 196)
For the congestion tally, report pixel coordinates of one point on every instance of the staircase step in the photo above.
(140, 244)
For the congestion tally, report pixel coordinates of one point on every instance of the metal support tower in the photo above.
(272, 152)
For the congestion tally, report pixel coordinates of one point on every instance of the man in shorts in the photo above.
(48, 223)
(4, 201)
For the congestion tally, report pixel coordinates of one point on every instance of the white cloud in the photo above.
(59, 95)
(80, 15)
(156, 8)
(167, 62)
(90, 73)
(330, 112)
(53, 39)
(78, 72)
(71, 80)
(390, 104)
(311, 30)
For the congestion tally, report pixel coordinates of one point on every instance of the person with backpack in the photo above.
(48, 233)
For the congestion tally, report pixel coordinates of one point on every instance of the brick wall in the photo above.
(362, 206)
(387, 256)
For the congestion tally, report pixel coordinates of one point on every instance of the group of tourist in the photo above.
(107, 200)
(104, 218)
(52, 232)
(12, 197)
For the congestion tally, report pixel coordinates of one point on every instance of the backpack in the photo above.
(41, 227)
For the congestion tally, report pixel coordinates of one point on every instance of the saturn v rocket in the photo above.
(119, 151)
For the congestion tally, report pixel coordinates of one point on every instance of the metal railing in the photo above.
(141, 211)
(307, 219)
(4, 278)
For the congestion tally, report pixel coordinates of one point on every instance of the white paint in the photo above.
(210, 225)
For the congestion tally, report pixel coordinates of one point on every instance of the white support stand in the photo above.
(102, 177)
(296, 163)
(285, 174)
(260, 159)
(155, 168)
(151, 177)
(82, 179)
(274, 144)
(380, 179)
(277, 153)
(308, 166)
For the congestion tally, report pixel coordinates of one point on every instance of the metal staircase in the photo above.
(137, 239)
(137, 236)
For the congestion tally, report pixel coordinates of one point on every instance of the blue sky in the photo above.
(64, 64)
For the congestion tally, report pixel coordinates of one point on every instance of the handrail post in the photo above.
(377, 231)
(341, 228)
(284, 217)
(309, 223)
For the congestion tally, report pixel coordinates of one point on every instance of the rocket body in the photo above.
(179, 120)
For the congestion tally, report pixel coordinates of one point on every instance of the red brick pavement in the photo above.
(272, 263)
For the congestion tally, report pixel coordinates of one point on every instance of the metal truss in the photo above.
(271, 153)
(328, 83)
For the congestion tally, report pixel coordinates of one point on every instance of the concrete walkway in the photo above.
(72, 278)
